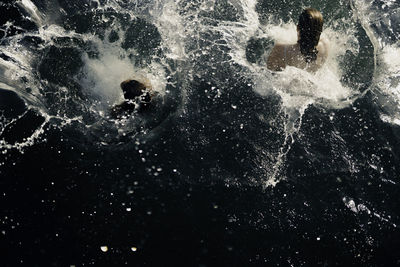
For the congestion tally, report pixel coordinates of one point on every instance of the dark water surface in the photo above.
(232, 168)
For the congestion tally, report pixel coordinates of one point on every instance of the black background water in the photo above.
(187, 187)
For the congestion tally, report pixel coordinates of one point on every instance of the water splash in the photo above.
(383, 32)
(177, 44)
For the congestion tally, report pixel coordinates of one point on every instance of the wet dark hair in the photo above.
(310, 28)
(132, 88)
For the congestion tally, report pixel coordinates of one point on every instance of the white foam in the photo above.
(299, 88)
(282, 33)
(388, 84)
(387, 76)
(33, 11)
(391, 57)
(172, 31)
(102, 75)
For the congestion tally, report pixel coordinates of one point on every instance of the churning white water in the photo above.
(184, 27)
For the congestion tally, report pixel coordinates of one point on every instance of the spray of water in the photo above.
(182, 26)
(297, 88)
(382, 30)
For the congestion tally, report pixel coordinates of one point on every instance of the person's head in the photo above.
(132, 88)
(309, 30)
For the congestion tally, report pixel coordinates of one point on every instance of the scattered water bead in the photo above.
(104, 248)
(255, 143)
(134, 249)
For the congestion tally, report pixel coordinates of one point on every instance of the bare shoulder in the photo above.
(323, 47)
(275, 60)
(278, 48)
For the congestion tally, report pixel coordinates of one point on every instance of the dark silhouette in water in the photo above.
(137, 97)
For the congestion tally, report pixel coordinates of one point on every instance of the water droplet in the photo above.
(104, 248)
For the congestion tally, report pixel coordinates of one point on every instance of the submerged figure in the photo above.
(309, 53)
(137, 97)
